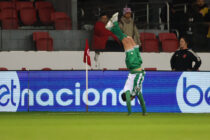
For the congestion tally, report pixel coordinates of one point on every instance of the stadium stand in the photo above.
(43, 41)
(149, 42)
(169, 42)
(30, 13)
(86, 14)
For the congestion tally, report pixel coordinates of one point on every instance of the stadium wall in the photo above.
(68, 60)
(71, 40)
(22, 40)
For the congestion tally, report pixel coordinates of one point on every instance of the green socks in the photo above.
(128, 101)
(117, 31)
(141, 99)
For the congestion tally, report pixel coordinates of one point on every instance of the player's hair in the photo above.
(103, 14)
(123, 96)
(185, 39)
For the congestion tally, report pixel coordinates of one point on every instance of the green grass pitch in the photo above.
(104, 126)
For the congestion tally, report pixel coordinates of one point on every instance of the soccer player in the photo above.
(133, 62)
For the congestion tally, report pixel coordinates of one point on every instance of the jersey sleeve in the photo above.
(172, 61)
(196, 59)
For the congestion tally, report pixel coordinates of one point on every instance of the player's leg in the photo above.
(113, 26)
(142, 102)
(117, 31)
(127, 95)
(137, 88)
(128, 101)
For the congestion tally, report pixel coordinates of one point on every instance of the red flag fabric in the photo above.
(87, 54)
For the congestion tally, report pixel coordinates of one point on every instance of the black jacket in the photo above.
(182, 60)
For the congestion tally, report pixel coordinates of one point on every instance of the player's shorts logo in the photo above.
(9, 91)
(193, 92)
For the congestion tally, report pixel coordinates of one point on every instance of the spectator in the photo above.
(103, 39)
(128, 26)
(182, 59)
(197, 16)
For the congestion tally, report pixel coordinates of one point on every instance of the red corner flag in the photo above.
(87, 54)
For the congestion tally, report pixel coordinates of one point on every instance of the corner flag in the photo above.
(87, 54)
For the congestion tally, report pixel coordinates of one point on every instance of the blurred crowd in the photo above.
(194, 22)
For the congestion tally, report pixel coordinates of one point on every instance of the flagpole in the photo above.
(87, 62)
(86, 85)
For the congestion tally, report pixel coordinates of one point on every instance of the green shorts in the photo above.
(133, 59)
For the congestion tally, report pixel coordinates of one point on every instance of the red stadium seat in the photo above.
(45, 15)
(45, 9)
(10, 23)
(28, 16)
(170, 45)
(9, 19)
(58, 15)
(149, 42)
(24, 4)
(44, 44)
(63, 24)
(7, 5)
(43, 41)
(43, 4)
(169, 42)
(8, 13)
(145, 35)
(39, 35)
(164, 36)
(61, 21)
(5, 10)
(150, 45)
